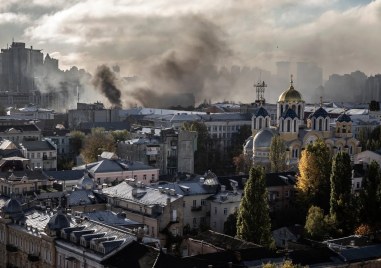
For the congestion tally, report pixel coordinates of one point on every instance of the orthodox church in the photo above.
(296, 131)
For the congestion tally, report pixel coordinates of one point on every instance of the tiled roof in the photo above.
(82, 197)
(261, 112)
(64, 175)
(18, 175)
(22, 128)
(344, 118)
(321, 112)
(289, 113)
(109, 217)
(188, 187)
(38, 145)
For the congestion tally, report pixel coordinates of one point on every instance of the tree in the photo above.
(96, 143)
(242, 163)
(277, 154)
(313, 183)
(76, 142)
(230, 225)
(340, 204)
(120, 135)
(317, 225)
(370, 199)
(253, 220)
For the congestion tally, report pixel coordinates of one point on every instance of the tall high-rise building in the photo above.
(283, 70)
(19, 67)
(309, 77)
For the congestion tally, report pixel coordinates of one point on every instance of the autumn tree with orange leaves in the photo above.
(313, 185)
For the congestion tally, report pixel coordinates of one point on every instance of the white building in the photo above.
(221, 206)
(42, 154)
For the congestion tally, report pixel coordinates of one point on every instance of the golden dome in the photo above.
(290, 95)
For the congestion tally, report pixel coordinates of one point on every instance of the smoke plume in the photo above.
(188, 70)
(105, 80)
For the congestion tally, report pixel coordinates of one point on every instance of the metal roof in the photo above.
(147, 195)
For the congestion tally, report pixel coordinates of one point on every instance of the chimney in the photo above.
(134, 192)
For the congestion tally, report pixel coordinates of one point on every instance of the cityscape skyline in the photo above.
(253, 33)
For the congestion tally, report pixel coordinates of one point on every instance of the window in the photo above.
(32, 155)
(144, 177)
(225, 211)
(194, 222)
(215, 210)
(288, 125)
(194, 203)
(184, 204)
(153, 177)
(320, 124)
(203, 202)
(153, 231)
(38, 155)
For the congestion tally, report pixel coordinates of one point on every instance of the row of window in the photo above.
(38, 155)
(234, 128)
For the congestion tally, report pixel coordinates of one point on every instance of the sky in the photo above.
(341, 36)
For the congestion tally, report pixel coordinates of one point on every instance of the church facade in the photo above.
(296, 131)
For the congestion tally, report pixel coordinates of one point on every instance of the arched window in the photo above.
(266, 122)
(260, 123)
(282, 123)
(320, 124)
(281, 110)
(326, 124)
(288, 125)
(294, 125)
(314, 123)
(255, 123)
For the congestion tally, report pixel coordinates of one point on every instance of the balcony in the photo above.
(11, 248)
(196, 208)
(33, 257)
(49, 157)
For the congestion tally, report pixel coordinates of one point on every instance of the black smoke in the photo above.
(106, 81)
(189, 69)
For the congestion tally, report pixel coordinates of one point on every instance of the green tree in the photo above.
(370, 197)
(277, 154)
(253, 220)
(313, 183)
(340, 204)
(317, 225)
(230, 225)
(120, 135)
(96, 143)
(76, 142)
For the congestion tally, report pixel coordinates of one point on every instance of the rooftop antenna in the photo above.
(260, 90)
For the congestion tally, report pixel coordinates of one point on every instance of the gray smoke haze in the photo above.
(188, 70)
(105, 80)
(144, 36)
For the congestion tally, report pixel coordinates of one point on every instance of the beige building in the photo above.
(160, 211)
(296, 131)
(221, 206)
(195, 192)
(116, 170)
(22, 182)
(20, 132)
(42, 154)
